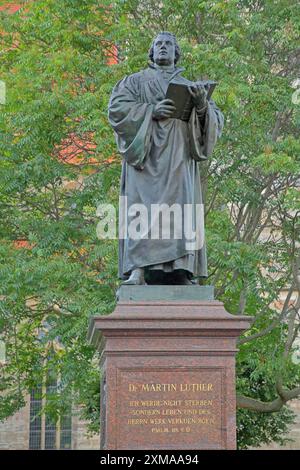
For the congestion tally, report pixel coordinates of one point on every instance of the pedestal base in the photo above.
(168, 375)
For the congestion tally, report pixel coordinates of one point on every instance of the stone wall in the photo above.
(14, 432)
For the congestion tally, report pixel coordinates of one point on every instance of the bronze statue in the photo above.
(161, 156)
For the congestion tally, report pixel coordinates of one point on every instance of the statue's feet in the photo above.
(181, 279)
(137, 278)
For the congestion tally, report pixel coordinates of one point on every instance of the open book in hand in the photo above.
(182, 98)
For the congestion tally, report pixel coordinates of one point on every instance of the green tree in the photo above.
(58, 162)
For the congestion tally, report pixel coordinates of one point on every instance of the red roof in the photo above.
(18, 244)
(72, 149)
(10, 7)
(112, 55)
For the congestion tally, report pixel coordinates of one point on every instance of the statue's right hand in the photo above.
(164, 109)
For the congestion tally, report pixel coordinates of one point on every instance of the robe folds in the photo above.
(161, 165)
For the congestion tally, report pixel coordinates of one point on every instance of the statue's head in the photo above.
(164, 49)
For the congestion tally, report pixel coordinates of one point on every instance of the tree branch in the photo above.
(267, 407)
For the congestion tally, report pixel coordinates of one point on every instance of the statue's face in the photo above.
(164, 50)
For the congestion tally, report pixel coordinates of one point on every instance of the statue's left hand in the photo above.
(198, 94)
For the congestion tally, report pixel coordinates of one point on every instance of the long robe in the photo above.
(160, 165)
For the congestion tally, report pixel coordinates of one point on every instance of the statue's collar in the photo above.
(175, 70)
(170, 73)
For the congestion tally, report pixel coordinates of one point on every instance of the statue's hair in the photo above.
(177, 48)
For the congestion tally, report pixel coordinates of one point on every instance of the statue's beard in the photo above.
(164, 61)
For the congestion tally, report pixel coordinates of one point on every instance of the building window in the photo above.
(66, 431)
(44, 432)
(50, 433)
(35, 431)
(50, 425)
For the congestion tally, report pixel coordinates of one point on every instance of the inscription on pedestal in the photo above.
(178, 408)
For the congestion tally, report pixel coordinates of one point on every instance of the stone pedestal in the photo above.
(168, 372)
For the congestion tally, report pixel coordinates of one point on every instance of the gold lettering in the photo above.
(169, 415)
(191, 403)
(153, 387)
(171, 403)
(132, 388)
(150, 403)
(134, 403)
(194, 411)
(158, 421)
(203, 421)
(144, 412)
(196, 387)
(159, 430)
(137, 421)
(182, 421)
(159, 387)
(168, 412)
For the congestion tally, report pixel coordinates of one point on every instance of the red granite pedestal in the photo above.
(168, 375)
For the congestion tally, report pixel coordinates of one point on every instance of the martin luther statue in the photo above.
(161, 156)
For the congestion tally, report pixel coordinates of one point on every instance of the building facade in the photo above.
(27, 429)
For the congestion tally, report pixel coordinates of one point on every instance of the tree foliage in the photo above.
(59, 161)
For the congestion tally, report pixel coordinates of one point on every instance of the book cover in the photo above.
(180, 94)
